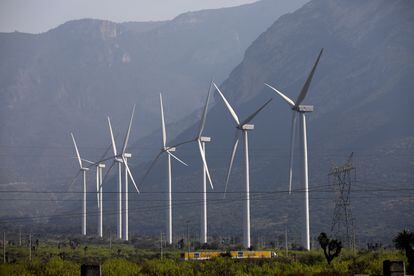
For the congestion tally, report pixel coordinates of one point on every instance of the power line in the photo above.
(209, 192)
(148, 209)
(165, 200)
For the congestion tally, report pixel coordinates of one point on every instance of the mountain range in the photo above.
(362, 97)
(70, 78)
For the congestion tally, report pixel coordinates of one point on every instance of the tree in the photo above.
(180, 244)
(405, 241)
(331, 247)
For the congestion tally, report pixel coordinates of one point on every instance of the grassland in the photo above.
(123, 259)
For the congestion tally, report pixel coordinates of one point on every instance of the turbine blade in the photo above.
(251, 117)
(112, 137)
(286, 98)
(204, 115)
(164, 132)
(107, 150)
(130, 174)
(88, 161)
(150, 168)
(305, 87)
(183, 143)
(231, 110)
(349, 162)
(233, 153)
(107, 173)
(176, 158)
(77, 151)
(203, 157)
(292, 147)
(101, 161)
(129, 130)
(74, 179)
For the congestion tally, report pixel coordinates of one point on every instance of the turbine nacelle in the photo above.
(127, 155)
(246, 127)
(303, 108)
(84, 169)
(205, 139)
(101, 165)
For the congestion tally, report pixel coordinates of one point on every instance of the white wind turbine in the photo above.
(201, 141)
(99, 166)
(168, 151)
(244, 127)
(121, 158)
(83, 170)
(297, 107)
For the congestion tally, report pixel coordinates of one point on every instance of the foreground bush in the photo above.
(120, 267)
(57, 266)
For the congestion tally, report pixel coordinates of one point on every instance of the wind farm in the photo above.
(263, 138)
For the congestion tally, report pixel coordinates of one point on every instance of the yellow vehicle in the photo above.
(252, 254)
(206, 255)
(202, 255)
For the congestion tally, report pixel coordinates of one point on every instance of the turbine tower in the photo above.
(168, 151)
(243, 127)
(98, 168)
(83, 170)
(121, 158)
(201, 141)
(297, 107)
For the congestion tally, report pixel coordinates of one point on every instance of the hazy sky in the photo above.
(36, 16)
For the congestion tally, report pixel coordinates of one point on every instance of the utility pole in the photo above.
(188, 238)
(342, 227)
(4, 247)
(161, 246)
(20, 237)
(30, 246)
(110, 240)
(353, 243)
(286, 242)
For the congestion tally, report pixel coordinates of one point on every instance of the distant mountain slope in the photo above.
(362, 93)
(71, 77)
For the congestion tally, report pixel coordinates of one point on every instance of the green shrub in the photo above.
(14, 269)
(57, 266)
(120, 267)
(166, 267)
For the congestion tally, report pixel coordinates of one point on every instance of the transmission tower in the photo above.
(342, 227)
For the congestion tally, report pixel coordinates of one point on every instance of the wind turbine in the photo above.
(244, 127)
(122, 158)
(99, 166)
(83, 170)
(201, 141)
(168, 151)
(297, 107)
